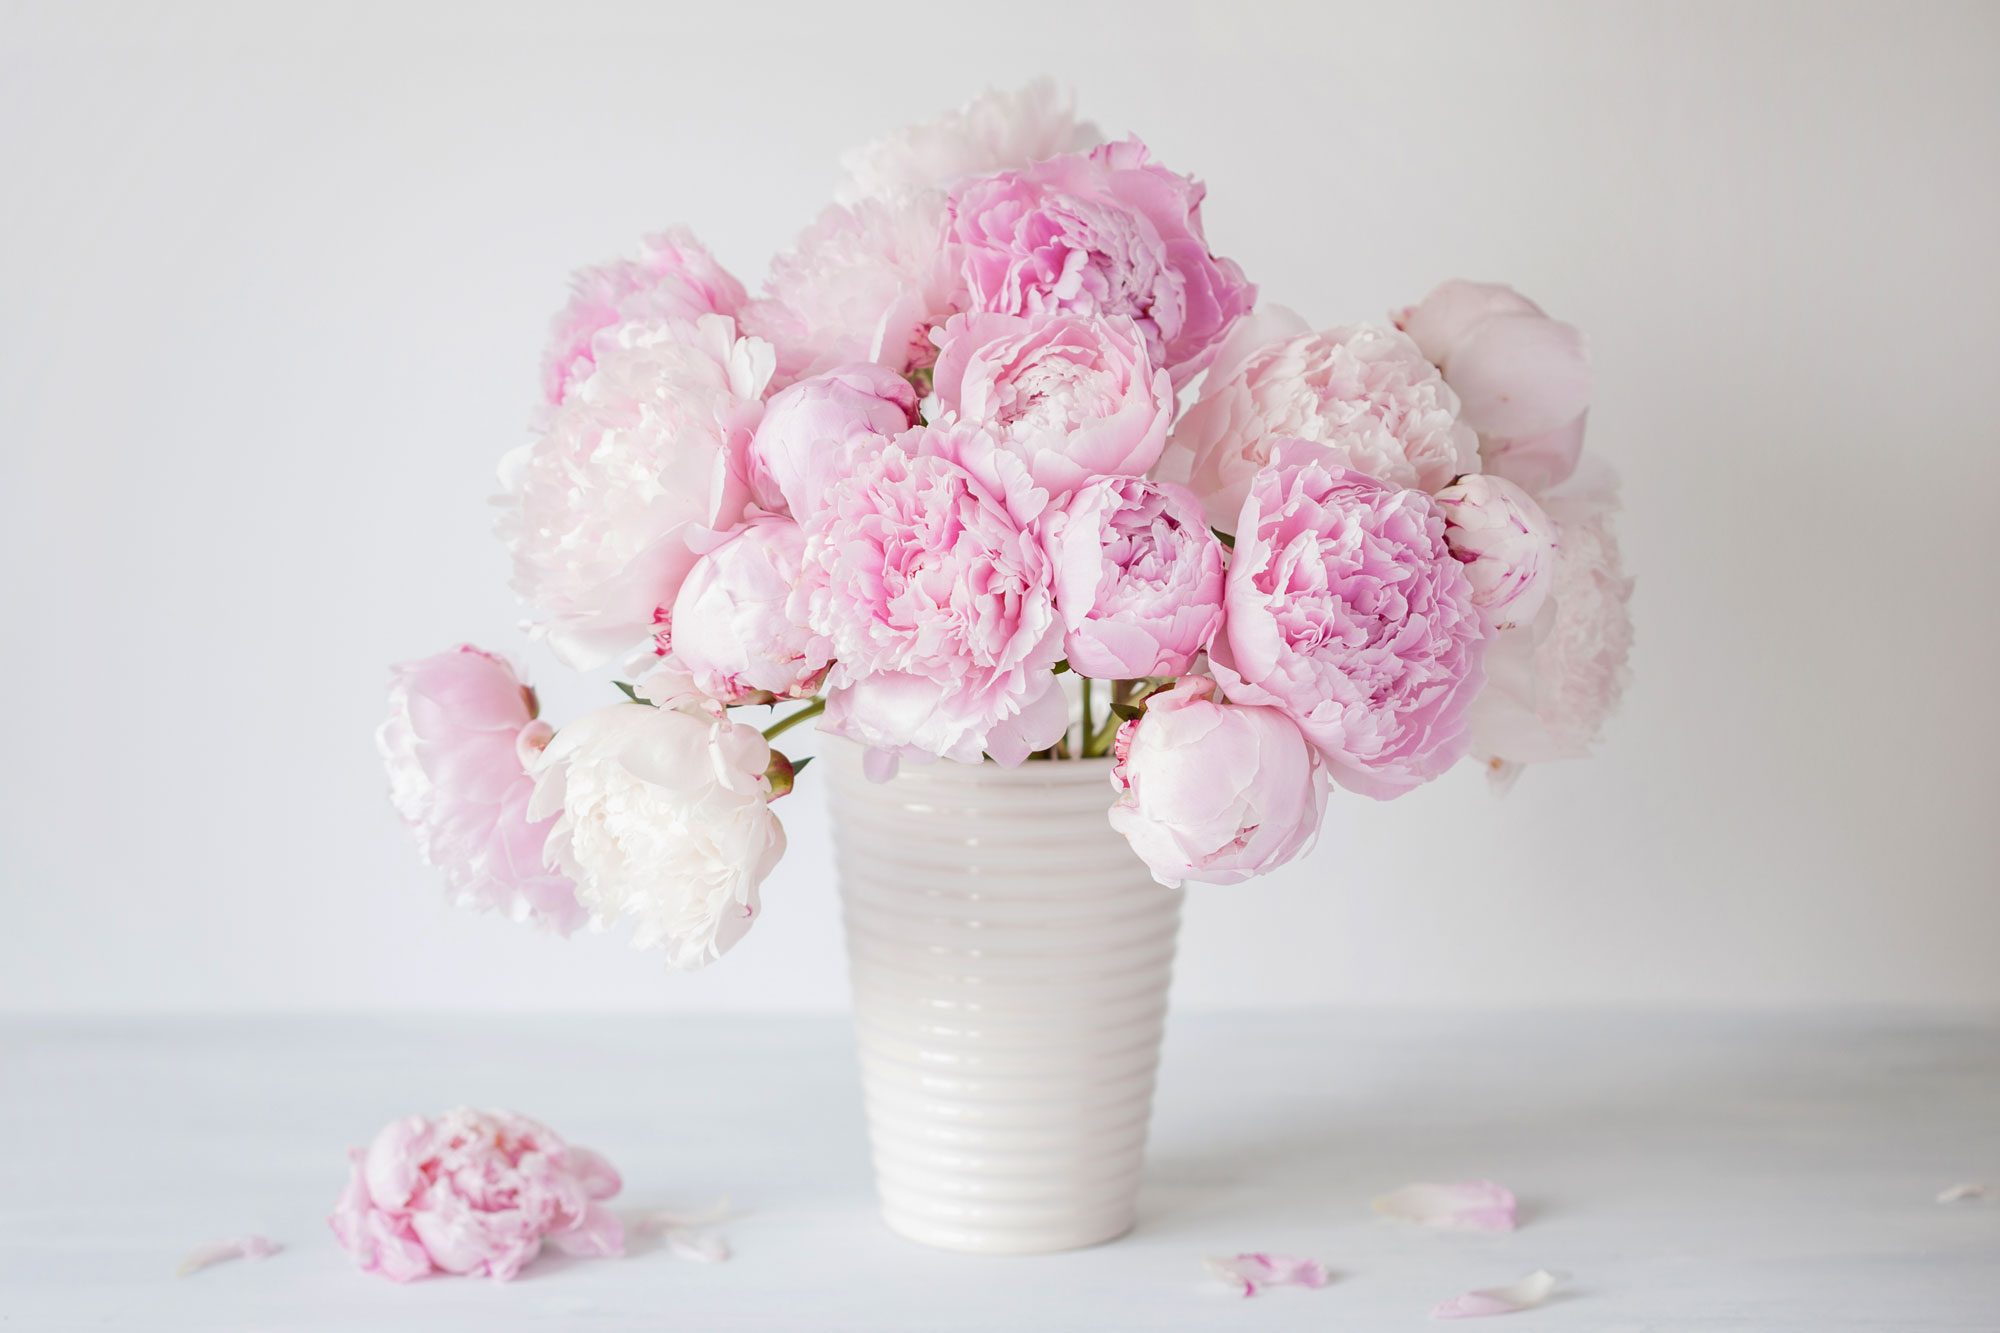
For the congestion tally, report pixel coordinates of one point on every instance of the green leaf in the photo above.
(630, 693)
(1224, 538)
(1126, 712)
(1060, 667)
(799, 765)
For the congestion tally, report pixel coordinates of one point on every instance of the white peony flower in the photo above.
(996, 131)
(639, 466)
(1365, 392)
(1551, 684)
(665, 819)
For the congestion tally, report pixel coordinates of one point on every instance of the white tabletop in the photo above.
(1718, 1174)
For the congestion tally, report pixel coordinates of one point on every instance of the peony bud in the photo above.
(1506, 544)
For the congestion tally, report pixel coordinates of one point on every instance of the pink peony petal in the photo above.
(1254, 1270)
(1469, 1205)
(598, 1234)
(1526, 1294)
(1966, 1190)
(221, 1251)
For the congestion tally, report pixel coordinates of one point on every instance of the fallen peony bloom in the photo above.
(474, 1193)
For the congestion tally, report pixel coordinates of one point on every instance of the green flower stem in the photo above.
(1084, 741)
(785, 724)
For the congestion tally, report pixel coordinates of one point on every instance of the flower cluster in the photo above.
(1005, 463)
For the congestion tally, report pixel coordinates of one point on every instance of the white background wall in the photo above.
(272, 288)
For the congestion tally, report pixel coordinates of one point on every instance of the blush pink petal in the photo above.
(1523, 379)
(1535, 463)
(598, 1234)
(1526, 1294)
(1255, 1271)
(1520, 375)
(1472, 1205)
(222, 1251)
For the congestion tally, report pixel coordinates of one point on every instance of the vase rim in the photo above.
(1094, 770)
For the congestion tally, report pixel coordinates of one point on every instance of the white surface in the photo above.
(1722, 1175)
(1011, 961)
(272, 286)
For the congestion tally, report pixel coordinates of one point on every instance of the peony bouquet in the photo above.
(1006, 464)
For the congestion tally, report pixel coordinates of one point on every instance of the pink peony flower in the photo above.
(729, 626)
(1365, 393)
(866, 282)
(799, 446)
(665, 817)
(640, 468)
(460, 732)
(1108, 232)
(674, 278)
(1214, 791)
(923, 573)
(1552, 683)
(1506, 544)
(1138, 578)
(473, 1193)
(1345, 609)
(1072, 397)
(1523, 379)
(996, 131)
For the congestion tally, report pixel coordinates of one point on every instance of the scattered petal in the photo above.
(1251, 1271)
(221, 1251)
(1526, 1294)
(1966, 1190)
(701, 1247)
(1469, 1205)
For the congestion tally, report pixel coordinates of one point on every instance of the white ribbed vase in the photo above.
(1010, 958)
